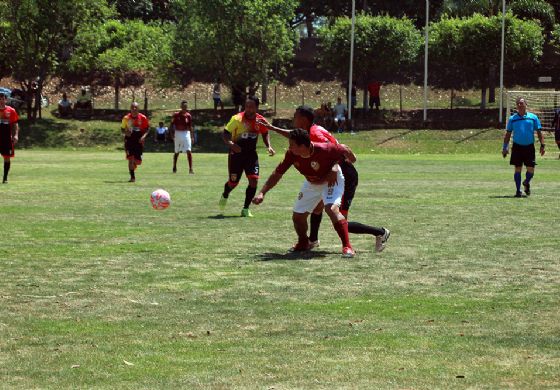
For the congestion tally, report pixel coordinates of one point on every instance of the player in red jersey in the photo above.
(9, 132)
(318, 162)
(241, 135)
(135, 127)
(181, 130)
(303, 118)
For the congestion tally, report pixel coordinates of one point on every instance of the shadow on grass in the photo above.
(42, 132)
(505, 196)
(308, 255)
(221, 216)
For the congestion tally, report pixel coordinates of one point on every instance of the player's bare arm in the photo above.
(505, 149)
(226, 136)
(15, 137)
(332, 176)
(541, 140)
(349, 155)
(266, 140)
(270, 184)
(282, 132)
(143, 138)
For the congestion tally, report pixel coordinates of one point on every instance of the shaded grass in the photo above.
(93, 277)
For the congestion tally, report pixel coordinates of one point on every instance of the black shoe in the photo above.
(5, 181)
(518, 194)
(174, 169)
(527, 187)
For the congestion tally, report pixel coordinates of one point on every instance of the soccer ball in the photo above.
(160, 199)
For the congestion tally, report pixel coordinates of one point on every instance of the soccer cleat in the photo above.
(5, 181)
(174, 169)
(518, 194)
(222, 203)
(527, 187)
(314, 244)
(300, 247)
(348, 252)
(246, 213)
(381, 241)
(191, 172)
(132, 180)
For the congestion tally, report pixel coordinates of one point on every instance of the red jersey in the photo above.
(320, 134)
(316, 167)
(373, 88)
(181, 122)
(8, 116)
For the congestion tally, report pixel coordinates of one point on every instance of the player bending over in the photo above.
(303, 118)
(323, 181)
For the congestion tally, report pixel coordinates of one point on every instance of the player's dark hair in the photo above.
(306, 112)
(254, 99)
(183, 102)
(300, 137)
(2, 94)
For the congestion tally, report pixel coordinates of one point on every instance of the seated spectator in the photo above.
(64, 106)
(340, 112)
(84, 101)
(321, 115)
(161, 133)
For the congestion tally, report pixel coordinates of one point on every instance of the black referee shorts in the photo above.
(523, 155)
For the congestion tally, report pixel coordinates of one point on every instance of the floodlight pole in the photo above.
(351, 63)
(500, 113)
(426, 60)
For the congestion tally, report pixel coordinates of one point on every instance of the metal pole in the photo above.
(500, 116)
(351, 64)
(426, 60)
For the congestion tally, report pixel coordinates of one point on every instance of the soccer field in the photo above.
(100, 291)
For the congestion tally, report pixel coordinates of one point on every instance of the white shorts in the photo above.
(340, 118)
(311, 194)
(182, 141)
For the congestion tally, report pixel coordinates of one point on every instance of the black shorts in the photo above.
(160, 137)
(6, 145)
(134, 150)
(557, 135)
(374, 100)
(350, 184)
(247, 162)
(522, 155)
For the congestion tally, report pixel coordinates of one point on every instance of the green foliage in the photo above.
(241, 42)
(462, 50)
(114, 49)
(384, 46)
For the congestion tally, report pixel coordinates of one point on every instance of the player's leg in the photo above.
(188, 149)
(332, 198)
(516, 160)
(557, 139)
(530, 163)
(235, 170)
(179, 143)
(175, 157)
(252, 172)
(7, 165)
(315, 223)
(308, 198)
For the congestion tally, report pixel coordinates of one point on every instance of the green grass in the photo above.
(93, 278)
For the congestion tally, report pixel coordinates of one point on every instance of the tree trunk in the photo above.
(309, 25)
(264, 91)
(365, 98)
(117, 91)
(492, 85)
(483, 97)
(365, 6)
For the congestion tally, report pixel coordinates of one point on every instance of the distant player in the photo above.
(556, 127)
(303, 118)
(317, 162)
(183, 134)
(9, 133)
(241, 135)
(135, 127)
(523, 125)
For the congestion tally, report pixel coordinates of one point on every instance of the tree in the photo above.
(466, 49)
(119, 53)
(38, 34)
(240, 42)
(384, 47)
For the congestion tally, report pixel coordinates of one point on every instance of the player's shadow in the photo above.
(287, 256)
(221, 216)
(505, 196)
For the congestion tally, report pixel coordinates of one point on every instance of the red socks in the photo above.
(341, 228)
